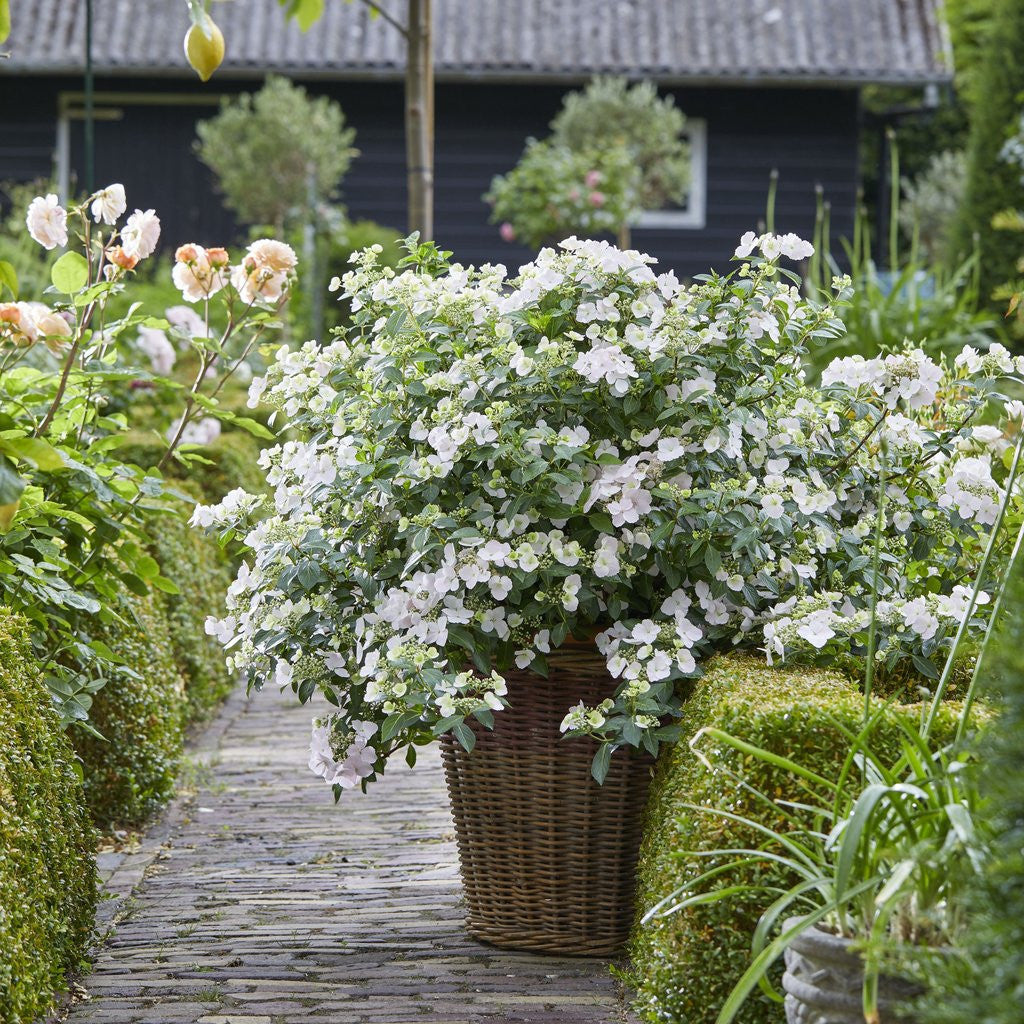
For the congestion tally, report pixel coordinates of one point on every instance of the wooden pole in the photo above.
(419, 118)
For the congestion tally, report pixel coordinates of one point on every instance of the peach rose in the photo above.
(122, 259)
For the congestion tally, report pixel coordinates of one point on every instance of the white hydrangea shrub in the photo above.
(484, 466)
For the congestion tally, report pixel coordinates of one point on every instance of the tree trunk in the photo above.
(419, 118)
(625, 236)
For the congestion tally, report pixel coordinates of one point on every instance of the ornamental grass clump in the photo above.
(485, 466)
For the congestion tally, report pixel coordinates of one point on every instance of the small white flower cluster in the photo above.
(482, 467)
(341, 755)
(909, 377)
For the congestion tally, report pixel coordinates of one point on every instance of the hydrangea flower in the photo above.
(485, 466)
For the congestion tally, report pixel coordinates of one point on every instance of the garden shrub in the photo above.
(686, 964)
(231, 462)
(129, 773)
(993, 183)
(201, 570)
(47, 873)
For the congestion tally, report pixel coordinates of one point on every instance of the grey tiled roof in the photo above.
(732, 41)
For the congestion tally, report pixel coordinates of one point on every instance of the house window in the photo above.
(692, 212)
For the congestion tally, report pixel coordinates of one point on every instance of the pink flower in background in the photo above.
(47, 222)
(593, 179)
(507, 232)
(596, 198)
(156, 345)
(574, 195)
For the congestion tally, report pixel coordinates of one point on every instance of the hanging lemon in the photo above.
(203, 52)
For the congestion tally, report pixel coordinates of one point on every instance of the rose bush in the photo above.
(482, 467)
(73, 512)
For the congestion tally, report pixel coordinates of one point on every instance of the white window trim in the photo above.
(694, 217)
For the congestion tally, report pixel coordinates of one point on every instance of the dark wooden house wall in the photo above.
(809, 135)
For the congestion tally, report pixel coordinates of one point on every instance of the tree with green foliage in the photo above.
(277, 153)
(611, 112)
(993, 183)
(615, 150)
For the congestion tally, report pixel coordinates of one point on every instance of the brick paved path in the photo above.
(260, 902)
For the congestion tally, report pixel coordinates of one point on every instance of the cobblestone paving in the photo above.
(258, 901)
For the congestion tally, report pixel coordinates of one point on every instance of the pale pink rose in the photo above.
(154, 343)
(47, 222)
(53, 328)
(50, 324)
(108, 204)
(18, 323)
(256, 285)
(269, 254)
(140, 233)
(188, 319)
(122, 259)
(194, 274)
(596, 198)
(507, 232)
(593, 179)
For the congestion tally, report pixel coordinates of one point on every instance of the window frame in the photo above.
(694, 216)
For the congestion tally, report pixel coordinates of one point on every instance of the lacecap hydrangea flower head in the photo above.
(484, 466)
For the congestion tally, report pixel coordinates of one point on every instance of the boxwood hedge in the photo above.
(229, 462)
(47, 872)
(685, 965)
(139, 713)
(201, 570)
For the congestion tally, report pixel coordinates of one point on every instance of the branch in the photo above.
(389, 18)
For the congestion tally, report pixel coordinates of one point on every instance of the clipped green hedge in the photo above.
(201, 570)
(139, 713)
(231, 463)
(47, 872)
(685, 965)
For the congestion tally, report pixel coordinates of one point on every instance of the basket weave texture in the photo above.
(548, 856)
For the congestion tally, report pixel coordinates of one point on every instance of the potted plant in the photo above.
(556, 494)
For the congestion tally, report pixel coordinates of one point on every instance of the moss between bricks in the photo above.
(139, 712)
(685, 965)
(47, 873)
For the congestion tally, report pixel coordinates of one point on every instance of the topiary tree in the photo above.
(611, 112)
(615, 150)
(277, 152)
(555, 191)
(931, 202)
(994, 183)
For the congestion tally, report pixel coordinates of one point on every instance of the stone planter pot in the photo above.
(548, 856)
(824, 982)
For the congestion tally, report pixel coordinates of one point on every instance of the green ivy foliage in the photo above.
(686, 964)
(130, 771)
(47, 873)
(200, 569)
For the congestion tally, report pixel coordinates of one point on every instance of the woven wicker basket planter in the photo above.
(548, 856)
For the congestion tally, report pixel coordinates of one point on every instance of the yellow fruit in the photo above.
(204, 53)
